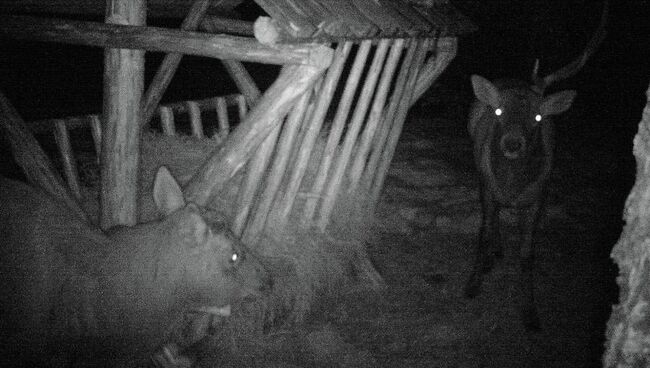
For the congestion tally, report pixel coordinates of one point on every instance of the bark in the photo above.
(628, 330)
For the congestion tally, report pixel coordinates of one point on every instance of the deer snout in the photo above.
(512, 145)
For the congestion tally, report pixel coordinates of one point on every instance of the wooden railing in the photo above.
(168, 115)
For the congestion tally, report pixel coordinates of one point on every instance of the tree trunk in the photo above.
(628, 330)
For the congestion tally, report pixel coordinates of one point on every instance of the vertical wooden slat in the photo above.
(243, 80)
(242, 108)
(270, 110)
(167, 120)
(122, 118)
(29, 155)
(338, 124)
(375, 114)
(96, 130)
(256, 169)
(277, 172)
(170, 63)
(195, 118)
(222, 115)
(283, 208)
(332, 190)
(398, 124)
(386, 119)
(62, 139)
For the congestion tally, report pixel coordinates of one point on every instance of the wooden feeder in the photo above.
(322, 135)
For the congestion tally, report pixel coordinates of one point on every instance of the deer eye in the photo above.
(498, 112)
(234, 258)
(538, 117)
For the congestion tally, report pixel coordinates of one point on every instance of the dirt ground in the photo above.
(427, 225)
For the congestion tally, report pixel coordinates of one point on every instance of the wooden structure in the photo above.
(387, 54)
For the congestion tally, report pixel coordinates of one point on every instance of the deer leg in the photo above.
(488, 239)
(528, 222)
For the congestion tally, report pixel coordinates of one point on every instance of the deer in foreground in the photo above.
(510, 125)
(69, 291)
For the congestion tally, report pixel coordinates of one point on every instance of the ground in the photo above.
(427, 223)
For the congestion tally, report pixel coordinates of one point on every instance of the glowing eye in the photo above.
(498, 112)
(234, 258)
(538, 117)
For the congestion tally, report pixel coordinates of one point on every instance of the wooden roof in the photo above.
(345, 19)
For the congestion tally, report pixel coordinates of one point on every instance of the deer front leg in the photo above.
(489, 240)
(528, 222)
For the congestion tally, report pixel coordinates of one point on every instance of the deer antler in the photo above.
(575, 66)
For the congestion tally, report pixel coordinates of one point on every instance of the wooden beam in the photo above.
(123, 87)
(160, 39)
(29, 155)
(170, 63)
(445, 52)
(155, 8)
(270, 110)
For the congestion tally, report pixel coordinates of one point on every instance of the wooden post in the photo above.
(332, 190)
(123, 86)
(194, 111)
(375, 115)
(398, 123)
(277, 172)
(167, 121)
(229, 158)
(29, 155)
(96, 130)
(342, 114)
(62, 139)
(170, 63)
(222, 115)
(284, 204)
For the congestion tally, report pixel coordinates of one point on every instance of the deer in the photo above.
(510, 124)
(70, 291)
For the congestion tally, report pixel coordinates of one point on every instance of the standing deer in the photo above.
(512, 131)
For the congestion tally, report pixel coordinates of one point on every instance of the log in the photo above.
(374, 118)
(170, 63)
(331, 193)
(445, 51)
(96, 131)
(229, 158)
(243, 80)
(311, 130)
(222, 116)
(167, 121)
(277, 172)
(123, 87)
(162, 40)
(336, 131)
(195, 119)
(155, 8)
(215, 24)
(29, 155)
(62, 139)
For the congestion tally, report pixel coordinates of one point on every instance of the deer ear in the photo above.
(167, 194)
(557, 103)
(485, 91)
